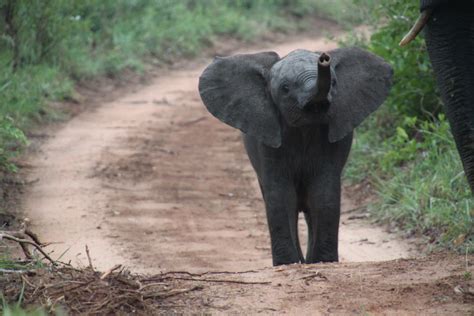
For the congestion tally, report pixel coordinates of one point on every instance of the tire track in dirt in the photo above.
(154, 181)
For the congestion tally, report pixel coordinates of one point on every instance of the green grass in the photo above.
(406, 149)
(9, 310)
(419, 181)
(16, 309)
(7, 263)
(57, 43)
(346, 12)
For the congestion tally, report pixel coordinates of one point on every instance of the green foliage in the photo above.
(413, 92)
(10, 137)
(406, 149)
(47, 45)
(18, 311)
(16, 307)
(346, 12)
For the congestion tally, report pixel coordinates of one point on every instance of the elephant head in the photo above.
(262, 93)
(449, 33)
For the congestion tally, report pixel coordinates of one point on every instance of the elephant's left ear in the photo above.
(363, 81)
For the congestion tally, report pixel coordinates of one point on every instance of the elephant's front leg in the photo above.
(280, 204)
(323, 219)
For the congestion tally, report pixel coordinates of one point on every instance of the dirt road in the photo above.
(152, 181)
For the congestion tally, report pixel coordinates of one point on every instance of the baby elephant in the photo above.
(297, 114)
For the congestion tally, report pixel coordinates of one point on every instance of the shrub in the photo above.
(406, 149)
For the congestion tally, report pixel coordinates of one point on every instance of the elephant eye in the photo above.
(285, 88)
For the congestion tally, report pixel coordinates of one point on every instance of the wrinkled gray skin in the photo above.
(297, 146)
(450, 41)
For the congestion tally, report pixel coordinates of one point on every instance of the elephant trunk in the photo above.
(323, 84)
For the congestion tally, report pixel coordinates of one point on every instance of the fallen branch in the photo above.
(108, 272)
(22, 243)
(33, 236)
(129, 282)
(71, 289)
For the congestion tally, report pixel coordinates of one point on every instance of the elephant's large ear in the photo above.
(234, 89)
(363, 81)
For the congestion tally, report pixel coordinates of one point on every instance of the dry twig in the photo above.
(314, 275)
(108, 272)
(191, 122)
(89, 258)
(22, 243)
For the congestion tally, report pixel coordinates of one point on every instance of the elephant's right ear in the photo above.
(235, 90)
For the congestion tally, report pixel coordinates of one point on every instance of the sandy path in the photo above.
(153, 181)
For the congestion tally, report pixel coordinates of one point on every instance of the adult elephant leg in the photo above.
(280, 205)
(323, 219)
(450, 41)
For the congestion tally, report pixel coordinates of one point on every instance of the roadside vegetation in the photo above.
(46, 47)
(49, 47)
(406, 150)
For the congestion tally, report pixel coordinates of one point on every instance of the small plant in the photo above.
(467, 275)
(11, 137)
(16, 310)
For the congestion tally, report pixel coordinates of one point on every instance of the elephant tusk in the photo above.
(324, 79)
(417, 27)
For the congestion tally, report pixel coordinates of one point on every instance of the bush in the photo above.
(48, 45)
(406, 149)
(10, 137)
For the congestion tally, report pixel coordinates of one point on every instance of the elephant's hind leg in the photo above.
(294, 234)
(280, 204)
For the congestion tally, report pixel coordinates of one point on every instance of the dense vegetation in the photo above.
(406, 150)
(47, 46)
